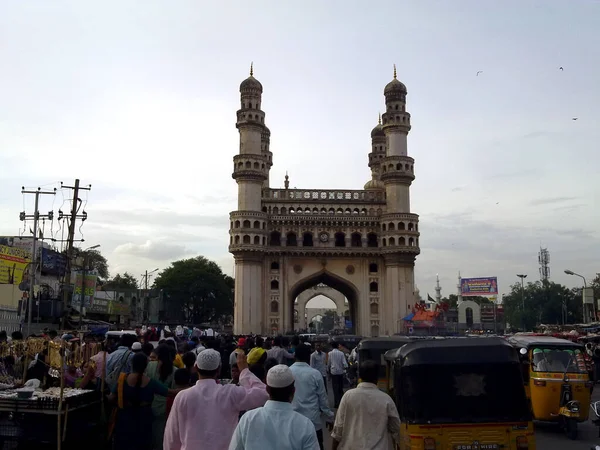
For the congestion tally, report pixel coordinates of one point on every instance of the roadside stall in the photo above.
(39, 403)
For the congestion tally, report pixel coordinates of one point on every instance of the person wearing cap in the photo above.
(276, 426)
(367, 417)
(241, 343)
(136, 347)
(206, 415)
(310, 398)
(257, 355)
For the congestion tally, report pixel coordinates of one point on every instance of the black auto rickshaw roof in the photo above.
(346, 339)
(528, 340)
(382, 343)
(487, 350)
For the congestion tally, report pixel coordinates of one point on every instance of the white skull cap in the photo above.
(280, 376)
(208, 359)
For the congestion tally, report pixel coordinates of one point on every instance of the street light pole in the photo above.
(522, 277)
(585, 312)
(82, 295)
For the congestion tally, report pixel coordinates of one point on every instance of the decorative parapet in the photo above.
(323, 196)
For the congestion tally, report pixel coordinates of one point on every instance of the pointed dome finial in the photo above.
(379, 118)
(252, 69)
(394, 71)
(287, 180)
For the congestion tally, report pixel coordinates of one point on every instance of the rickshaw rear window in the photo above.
(462, 393)
(376, 356)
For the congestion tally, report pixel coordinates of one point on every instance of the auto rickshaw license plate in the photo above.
(477, 446)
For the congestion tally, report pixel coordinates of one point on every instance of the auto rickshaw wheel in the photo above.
(571, 428)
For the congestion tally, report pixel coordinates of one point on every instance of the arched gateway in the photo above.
(362, 243)
(301, 322)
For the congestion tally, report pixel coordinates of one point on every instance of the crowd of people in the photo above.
(216, 392)
(247, 393)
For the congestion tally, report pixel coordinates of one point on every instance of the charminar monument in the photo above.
(361, 243)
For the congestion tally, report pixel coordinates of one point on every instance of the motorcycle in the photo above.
(570, 410)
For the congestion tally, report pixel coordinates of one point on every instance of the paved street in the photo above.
(548, 437)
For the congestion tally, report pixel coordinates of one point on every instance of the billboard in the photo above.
(484, 287)
(13, 262)
(588, 295)
(84, 290)
(53, 262)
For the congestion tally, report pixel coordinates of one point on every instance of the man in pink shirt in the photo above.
(205, 416)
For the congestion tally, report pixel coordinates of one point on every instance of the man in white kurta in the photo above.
(205, 416)
(367, 418)
(276, 426)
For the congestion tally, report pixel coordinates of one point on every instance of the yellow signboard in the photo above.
(13, 262)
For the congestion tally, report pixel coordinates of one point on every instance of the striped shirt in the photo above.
(336, 362)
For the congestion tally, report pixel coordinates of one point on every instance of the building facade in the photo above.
(362, 243)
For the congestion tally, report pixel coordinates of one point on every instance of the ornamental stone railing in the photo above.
(323, 196)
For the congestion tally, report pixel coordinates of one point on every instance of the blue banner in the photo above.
(484, 287)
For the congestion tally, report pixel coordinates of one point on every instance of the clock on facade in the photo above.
(324, 237)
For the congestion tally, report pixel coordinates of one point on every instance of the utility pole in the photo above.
(145, 275)
(32, 271)
(73, 218)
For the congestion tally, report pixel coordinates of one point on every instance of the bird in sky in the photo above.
(478, 72)
(497, 203)
(561, 68)
(574, 118)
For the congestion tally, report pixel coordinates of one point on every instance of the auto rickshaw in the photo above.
(457, 393)
(375, 349)
(556, 379)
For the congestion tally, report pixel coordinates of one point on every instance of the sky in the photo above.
(138, 99)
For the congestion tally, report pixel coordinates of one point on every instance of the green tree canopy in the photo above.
(328, 321)
(543, 304)
(595, 284)
(198, 289)
(125, 281)
(94, 260)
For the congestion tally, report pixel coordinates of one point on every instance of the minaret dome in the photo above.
(395, 90)
(251, 85)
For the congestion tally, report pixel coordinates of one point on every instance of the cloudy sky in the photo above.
(138, 99)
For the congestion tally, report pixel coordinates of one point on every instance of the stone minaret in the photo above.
(438, 289)
(377, 154)
(400, 228)
(248, 236)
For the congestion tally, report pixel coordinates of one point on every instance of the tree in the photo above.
(328, 321)
(543, 304)
(93, 260)
(595, 285)
(125, 281)
(197, 290)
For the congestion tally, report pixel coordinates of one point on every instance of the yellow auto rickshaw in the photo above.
(374, 349)
(556, 379)
(456, 393)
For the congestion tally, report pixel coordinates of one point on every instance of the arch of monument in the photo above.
(362, 243)
(475, 311)
(302, 300)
